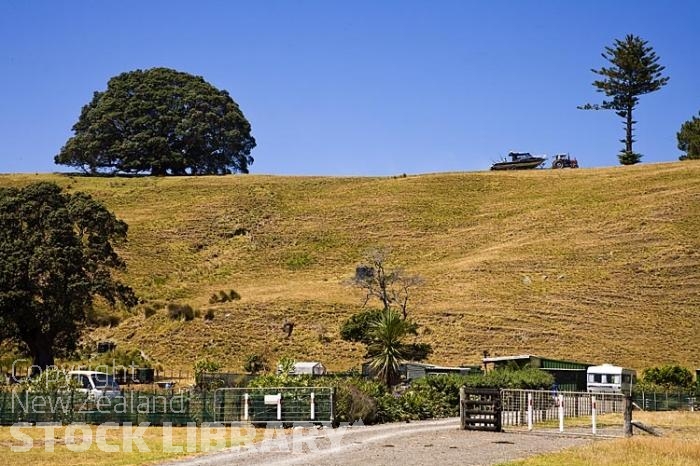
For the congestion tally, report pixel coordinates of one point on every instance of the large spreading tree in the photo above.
(56, 255)
(689, 139)
(160, 121)
(633, 71)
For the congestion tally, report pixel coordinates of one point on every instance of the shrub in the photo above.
(223, 297)
(668, 377)
(353, 404)
(180, 311)
(255, 363)
(209, 315)
(206, 365)
(149, 311)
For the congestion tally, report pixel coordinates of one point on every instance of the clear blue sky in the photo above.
(357, 87)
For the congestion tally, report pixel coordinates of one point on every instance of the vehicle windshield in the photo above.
(103, 381)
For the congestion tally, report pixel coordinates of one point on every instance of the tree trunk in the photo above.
(41, 349)
(628, 139)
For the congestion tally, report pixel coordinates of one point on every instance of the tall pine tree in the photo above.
(634, 71)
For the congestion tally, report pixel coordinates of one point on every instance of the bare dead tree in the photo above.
(391, 287)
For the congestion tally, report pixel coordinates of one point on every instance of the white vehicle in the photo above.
(95, 384)
(610, 379)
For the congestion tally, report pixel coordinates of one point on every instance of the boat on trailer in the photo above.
(519, 161)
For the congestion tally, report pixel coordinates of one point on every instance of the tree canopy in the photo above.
(160, 121)
(56, 254)
(634, 71)
(689, 139)
(668, 376)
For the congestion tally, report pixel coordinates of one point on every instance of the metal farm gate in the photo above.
(280, 404)
(544, 405)
(480, 409)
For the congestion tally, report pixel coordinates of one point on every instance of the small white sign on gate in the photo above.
(272, 399)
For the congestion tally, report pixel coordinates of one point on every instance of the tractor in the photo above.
(564, 161)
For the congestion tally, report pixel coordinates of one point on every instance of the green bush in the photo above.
(149, 311)
(209, 315)
(255, 363)
(668, 377)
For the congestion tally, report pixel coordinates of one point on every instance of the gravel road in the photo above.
(417, 443)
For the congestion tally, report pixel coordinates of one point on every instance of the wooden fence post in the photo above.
(462, 397)
(628, 416)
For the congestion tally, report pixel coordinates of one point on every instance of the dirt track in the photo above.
(416, 443)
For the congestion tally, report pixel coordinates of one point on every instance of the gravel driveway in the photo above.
(417, 443)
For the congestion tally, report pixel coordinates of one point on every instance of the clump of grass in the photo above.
(104, 318)
(224, 297)
(149, 311)
(181, 312)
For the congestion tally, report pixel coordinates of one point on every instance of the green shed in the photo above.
(568, 375)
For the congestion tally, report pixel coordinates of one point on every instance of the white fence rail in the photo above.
(527, 407)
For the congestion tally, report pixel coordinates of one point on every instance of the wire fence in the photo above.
(166, 406)
(666, 401)
(286, 405)
(545, 405)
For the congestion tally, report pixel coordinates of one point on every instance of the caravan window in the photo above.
(613, 378)
(595, 378)
(626, 378)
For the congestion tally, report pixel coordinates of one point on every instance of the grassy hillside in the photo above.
(598, 265)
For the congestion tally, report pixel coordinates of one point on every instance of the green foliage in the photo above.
(160, 121)
(51, 381)
(689, 139)
(255, 363)
(56, 254)
(629, 158)
(208, 366)
(209, 315)
(123, 358)
(668, 377)
(357, 328)
(181, 312)
(634, 71)
(385, 350)
(285, 365)
(356, 399)
(527, 378)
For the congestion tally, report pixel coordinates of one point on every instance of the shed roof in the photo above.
(544, 362)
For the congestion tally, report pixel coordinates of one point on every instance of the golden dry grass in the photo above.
(680, 446)
(54, 445)
(596, 265)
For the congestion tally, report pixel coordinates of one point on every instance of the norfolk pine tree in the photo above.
(634, 71)
(689, 139)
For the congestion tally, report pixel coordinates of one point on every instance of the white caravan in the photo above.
(610, 379)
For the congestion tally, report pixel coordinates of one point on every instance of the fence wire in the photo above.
(254, 405)
(545, 408)
(287, 405)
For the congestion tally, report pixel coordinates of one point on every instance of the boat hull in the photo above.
(518, 165)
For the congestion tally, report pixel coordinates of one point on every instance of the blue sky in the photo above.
(357, 87)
